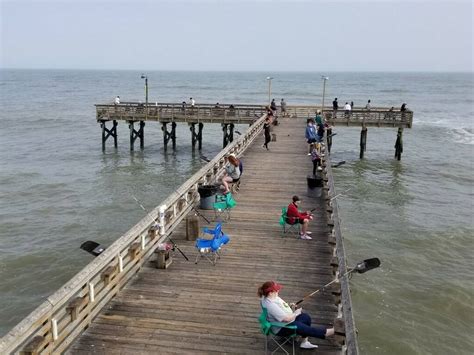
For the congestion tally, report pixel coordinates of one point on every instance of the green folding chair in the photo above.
(222, 206)
(287, 227)
(280, 341)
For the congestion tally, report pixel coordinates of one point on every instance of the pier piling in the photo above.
(228, 129)
(106, 133)
(169, 135)
(196, 137)
(363, 141)
(134, 134)
(399, 144)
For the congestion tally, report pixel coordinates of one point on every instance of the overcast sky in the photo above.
(238, 35)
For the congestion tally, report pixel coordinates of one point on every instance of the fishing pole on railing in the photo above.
(175, 246)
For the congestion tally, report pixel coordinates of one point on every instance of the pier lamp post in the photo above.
(324, 78)
(143, 76)
(269, 78)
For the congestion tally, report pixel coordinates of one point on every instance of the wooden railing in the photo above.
(54, 325)
(339, 259)
(166, 112)
(377, 116)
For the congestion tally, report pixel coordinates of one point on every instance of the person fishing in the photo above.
(266, 132)
(316, 157)
(232, 172)
(294, 216)
(310, 134)
(279, 311)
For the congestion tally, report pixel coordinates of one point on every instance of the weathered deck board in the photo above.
(194, 309)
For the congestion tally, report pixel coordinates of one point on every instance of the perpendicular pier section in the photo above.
(227, 115)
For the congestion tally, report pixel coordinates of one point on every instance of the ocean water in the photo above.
(58, 189)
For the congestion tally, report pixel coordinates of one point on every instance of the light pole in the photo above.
(324, 78)
(269, 78)
(146, 94)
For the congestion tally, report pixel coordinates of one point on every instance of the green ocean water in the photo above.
(57, 188)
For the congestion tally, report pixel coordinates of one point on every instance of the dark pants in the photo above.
(268, 138)
(316, 163)
(304, 328)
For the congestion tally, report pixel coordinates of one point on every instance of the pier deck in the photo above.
(201, 308)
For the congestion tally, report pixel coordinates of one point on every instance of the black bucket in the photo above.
(315, 183)
(315, 180)
(208, 196)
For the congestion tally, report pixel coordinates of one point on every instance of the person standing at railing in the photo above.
(266, 132)
(192, 102)
(117, 100)
(310, 134)
(335, 107)
(403, 109)
(318, 117)
(283, 108)
(368, 106)
(347, 110)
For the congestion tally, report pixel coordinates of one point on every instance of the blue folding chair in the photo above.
(209, 248)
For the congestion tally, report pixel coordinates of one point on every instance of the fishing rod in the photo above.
(342, 193)
(175, 246)
(195, 209)
(360, 268)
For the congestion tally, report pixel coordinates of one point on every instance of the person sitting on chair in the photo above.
(232, 174)
(294, 216)
(279, 311)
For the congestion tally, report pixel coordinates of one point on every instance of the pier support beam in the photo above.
(106, 133)
(363, 141)
(329, 139)
(134, 134)
(228, 129)
(196, 136)
(399, 144)
(169, 135)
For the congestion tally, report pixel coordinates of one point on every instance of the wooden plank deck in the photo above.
(194, 309)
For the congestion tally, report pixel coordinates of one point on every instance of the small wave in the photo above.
(463, 135)
(393, 90)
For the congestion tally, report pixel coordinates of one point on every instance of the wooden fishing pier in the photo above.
(228, 115)
(122, 303)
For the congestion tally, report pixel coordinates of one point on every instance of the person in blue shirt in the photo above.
(310, 134)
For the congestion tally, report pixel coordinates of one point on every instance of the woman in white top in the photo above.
(279, 311)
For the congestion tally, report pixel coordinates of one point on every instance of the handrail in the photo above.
(349, 323)
(53, 325)
(377, 115)
(133, 111)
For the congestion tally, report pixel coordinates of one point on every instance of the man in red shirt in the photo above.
(294, 216)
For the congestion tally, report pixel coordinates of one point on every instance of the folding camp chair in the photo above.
(280, 341)
(288, 227)
(222, 207)
(209, 248)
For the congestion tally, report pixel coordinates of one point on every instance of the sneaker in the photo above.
(305, 237)
(307, 345)
(319, 168)
(308, 154)
(309, 233)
